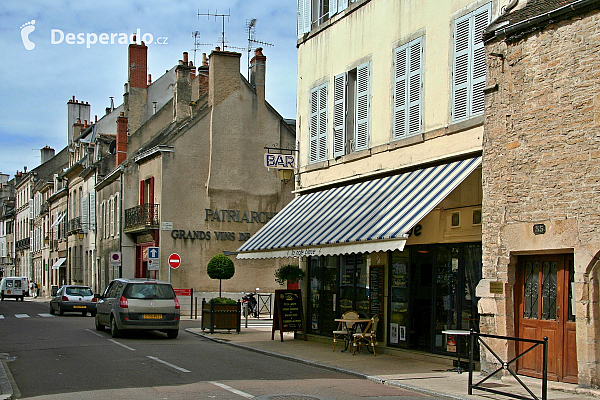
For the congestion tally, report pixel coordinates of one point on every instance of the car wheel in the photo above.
(115, 332)
(172, 334)
(60, 310)
(83, 313)
(93, 313)
(99, 326)
(51, 309)
(22, 298)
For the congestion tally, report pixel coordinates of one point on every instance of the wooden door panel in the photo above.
(529, 364)
(570, 354)
(554, 350)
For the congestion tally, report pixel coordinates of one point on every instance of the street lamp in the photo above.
(285, 175)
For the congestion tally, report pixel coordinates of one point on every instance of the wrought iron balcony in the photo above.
(74, 225)
(22, 244)
(144, 216)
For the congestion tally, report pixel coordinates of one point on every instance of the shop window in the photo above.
(477, 217)
(456, 219)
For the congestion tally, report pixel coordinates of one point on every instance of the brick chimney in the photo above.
(121, 139)
(183, 89)
(76, 110)
(47, 153)
(136, 92)
(203, 76)
(258, 66)
(224, 77)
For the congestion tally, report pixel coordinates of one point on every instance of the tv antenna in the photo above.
(251, 28)
(222, 16)
(196, 36)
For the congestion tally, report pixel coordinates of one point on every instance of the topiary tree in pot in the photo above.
(220, 267)
(290, 273)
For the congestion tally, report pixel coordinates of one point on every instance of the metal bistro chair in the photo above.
(343, 327)
(368, 337)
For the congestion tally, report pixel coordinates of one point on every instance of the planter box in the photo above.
(221, 316)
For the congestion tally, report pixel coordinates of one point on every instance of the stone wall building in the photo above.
(541, 179)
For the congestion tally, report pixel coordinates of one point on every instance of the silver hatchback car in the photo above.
(138, 304)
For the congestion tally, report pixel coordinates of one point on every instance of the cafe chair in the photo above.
(342, 329)
(368, 337)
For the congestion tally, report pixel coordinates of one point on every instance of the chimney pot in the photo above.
(122, 114)
(149, 79)
(217, 48)
(204, 60)
(185, 57)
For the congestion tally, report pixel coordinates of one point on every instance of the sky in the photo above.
(41, 71)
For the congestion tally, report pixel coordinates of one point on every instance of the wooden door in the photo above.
(543, 307)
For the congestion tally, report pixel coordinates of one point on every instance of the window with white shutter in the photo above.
(361, 138)
(304, 16)
(408, 60)
(92, 219)
(469, 70)
(117, 214)
(339, 115)
(112, 216)
(318, 124)
(85, 213)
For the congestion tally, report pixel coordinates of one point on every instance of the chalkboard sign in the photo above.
(376, 289)
(288, 316)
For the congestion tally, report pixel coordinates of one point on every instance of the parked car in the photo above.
(74, 298)
(138, 304)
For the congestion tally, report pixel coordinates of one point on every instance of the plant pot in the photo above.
(295, 285)
(221, 316)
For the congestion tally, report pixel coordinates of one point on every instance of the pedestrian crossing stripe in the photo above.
(1, 316)
(21, 315)
(43, 315)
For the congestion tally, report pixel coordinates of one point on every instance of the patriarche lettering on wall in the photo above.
(250, 217)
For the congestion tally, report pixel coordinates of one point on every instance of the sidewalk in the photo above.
(407, 369)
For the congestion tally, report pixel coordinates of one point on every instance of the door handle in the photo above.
(558, 313)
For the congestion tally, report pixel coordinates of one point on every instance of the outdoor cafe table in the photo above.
(350, 330)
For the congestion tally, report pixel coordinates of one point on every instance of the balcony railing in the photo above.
(74, 225)
(22, 244)
(144, 216)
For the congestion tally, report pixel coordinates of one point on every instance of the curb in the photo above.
(6, 390)
(329, 367)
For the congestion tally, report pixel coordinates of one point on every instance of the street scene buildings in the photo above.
(446, 176)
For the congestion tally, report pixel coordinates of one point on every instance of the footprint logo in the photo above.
(26, 29)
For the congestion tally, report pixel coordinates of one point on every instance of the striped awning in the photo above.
(364, 217)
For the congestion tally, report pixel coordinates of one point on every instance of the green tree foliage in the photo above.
(220, 267)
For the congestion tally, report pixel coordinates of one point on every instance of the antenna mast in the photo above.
(196, 36)
(251, 28)
(222, 16)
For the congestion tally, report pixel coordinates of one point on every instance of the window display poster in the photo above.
(376, 288)
(394, 333)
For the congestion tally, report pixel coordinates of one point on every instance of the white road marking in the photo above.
(232, 390)
(169, 364)
(121, 344)
(1, 316)
(95, 333)
(45, 315)
(22, 315)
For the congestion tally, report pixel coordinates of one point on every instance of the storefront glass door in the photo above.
(322, 296)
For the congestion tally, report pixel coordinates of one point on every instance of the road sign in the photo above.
(153, 252)
(153, 259)
(174, 260)
(115, 258)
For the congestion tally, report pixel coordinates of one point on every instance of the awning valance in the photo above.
(364, 217)
(58, 263)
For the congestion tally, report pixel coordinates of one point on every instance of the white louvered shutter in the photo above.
(400, 92)
(92, 211)
(339, 115)
(118, 214)
(304, 16)
(333, 7)
(414, 86)
(461, 67)
(85, 216)
(112, 216)
(322, 122)
(342, 5)
(361, 138)
(314, 126)
(481, 19)
(31, 209)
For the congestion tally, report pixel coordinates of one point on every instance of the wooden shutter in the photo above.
(314, 125)
(92, 211)
(142, 183)
(481, 19)
(415, 52)
(461, 67)
(361, 137)
(304, 16)
(339, 115)
(322, 146)
(85, 213)
(151, 191)
(400, 92)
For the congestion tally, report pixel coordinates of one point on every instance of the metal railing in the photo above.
(142, 216)
(22, 244)
(505, 365)
(74, 225)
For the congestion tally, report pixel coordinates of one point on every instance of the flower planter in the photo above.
(221, 316)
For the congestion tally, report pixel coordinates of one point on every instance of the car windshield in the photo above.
(148, 291)
(79, 291)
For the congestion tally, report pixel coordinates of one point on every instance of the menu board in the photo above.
(376, 289)
(288, 316)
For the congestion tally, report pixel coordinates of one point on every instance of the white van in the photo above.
(13, 287)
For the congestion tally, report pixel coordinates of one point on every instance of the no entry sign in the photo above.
(174, 260)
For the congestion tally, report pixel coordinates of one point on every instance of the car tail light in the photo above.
(123, 302)
(177, 306)
(64, 298)
(94, 299)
